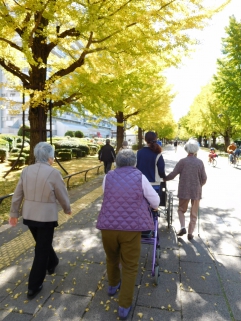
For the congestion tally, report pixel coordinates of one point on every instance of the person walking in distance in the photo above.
(175, 146)
(124, 145)
(107, 155)
(192, 177)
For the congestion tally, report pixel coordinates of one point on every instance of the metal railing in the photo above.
(68, 177)
(5, 196)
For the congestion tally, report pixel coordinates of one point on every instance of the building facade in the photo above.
(11, 118)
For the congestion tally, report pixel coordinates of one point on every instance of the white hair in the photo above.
(192, 146)
(43, 151)
(125, 157)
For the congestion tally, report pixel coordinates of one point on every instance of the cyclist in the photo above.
(212, 154)
(231, 150)
(237, 151)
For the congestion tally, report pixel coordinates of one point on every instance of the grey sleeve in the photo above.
(61, 193)
(17, 199)
(174, 173)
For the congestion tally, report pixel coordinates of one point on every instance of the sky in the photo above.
(198, 70)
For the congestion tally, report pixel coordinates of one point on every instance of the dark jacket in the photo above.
(107, 154)
(146, 163)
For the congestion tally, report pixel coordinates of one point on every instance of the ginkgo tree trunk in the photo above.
(44, 42)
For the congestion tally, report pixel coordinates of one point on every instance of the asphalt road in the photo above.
(221, 193)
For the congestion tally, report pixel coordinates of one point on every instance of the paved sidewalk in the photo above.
(199, 280)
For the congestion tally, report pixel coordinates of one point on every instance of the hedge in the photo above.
(93, 149)
(19, 145)
(72, 143)
(20, 162)
(26, 150)
(79, 134)
(65, 155)
(3, 154)
(69, 133)
(4, 144)
(16, 155)
(26, 134)
(10, 138)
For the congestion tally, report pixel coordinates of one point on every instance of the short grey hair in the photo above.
(43, 151)
(125, 157)
(192, 146)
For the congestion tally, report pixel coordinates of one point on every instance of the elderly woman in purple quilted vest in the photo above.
(125, 212)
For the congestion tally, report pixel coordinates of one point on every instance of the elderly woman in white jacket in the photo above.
(39, 187)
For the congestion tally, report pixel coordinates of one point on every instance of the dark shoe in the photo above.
(190, 237)
(123, 312)
(113, 289)
(52, 270)
(32, 294)
(182, 232)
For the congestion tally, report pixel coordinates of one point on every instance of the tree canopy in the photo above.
(44, 42)
(227, 81)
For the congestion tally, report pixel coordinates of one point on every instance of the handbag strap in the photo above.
(158, 179)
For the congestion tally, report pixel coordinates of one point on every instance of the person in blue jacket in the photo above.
(150, 161)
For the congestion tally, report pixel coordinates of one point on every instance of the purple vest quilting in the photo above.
(124, 205)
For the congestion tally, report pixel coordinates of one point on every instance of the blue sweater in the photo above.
(146, 160)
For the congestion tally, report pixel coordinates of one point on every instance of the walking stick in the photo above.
(198, 221)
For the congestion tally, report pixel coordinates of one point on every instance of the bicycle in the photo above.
(235, 161)
(212, 161)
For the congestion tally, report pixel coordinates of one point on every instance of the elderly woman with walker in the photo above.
(124, 214)
(192, 177)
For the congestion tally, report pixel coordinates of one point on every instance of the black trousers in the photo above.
(45, 256)
(107, 167)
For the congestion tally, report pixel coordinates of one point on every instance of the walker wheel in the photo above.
(156, 277)
(157, 255)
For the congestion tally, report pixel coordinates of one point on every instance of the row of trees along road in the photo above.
(91, 54)
(216, 111)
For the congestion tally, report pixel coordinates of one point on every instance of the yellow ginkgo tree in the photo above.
(44, 42)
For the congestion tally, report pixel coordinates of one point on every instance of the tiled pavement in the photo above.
(199, 280)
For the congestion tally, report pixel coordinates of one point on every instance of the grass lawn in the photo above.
(8, 184)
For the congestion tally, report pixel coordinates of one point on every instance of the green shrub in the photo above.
(69, 133)
(57, 151)
(26, 150)
(19, 145)
(15, 150)
(79, 134)
(220, 147)
(10, 138)
(20, 139)
(4, 144)
(135, 146)
(85, 149)
(77, 152)
(16, 155)
(65, 155)
(66, 144)
(93, 149)
(26, 134)
(3, 154)
(20, 162)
